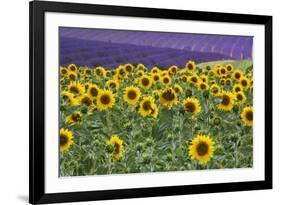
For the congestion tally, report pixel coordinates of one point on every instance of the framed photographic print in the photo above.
(140, 102)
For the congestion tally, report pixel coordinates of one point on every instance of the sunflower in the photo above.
(154, 111)
(229, 67)
(228, 81)
(240, 97)
(203, 86)
(140, 73)
(129, 68)
(76, 87)
(93, 91)
(112, 84)
(222, 81)
(212, 82)
(140, 66)
(166, 80)
(105, 99)
(68, 96)
(201, 148)
(183, 78)
(66, 139)
(72, 67)
(121, 71)
(168, 97)
(204, 78)
(99, 71)
(217, 70)
(87, 72)
(131, 95)
(145, 82)
(74, 118)
(63, 71)
(190, 66)
(156, 77)
(146, 106)
(178, 88)
(193, 79)
(117, 143)
(173, 70)
(247, 115)
(244, 82)
(154, 70)
(164, 73)
(237, 88)
(72, 76)
(192, 105)
(226, 103)
(237, 74)
(85, 99)
(215, 90)
(223, 71)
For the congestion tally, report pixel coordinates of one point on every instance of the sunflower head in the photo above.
(112, 84)
(166, 80)
(183, 78)
(131, 95)
(145, 82)
(237, 88)
(228, 81)
(173, 70)
(178, 88)
(63, 71)
(156, 77)
(69, 97)
(76, 87)
(247, 115)
(146, 106)
(168, 97)
(223, 71)
(72, 76)
(121, 71)
(190, 66)
(215, 89)
(105, 99)
(72, 67)
(117, 144)
(244, 82)
(226, 103)
(202, 86)
(154, 70)
(93, 91)
(192, 105)
(193, 79)
(229, 67)
(129, 68)
(99, 71)
(201, 148)
(240, 97)
(85, 99)
(66, 139)
(140, 73)
(74, 118)
(204, 78)
(237, 74)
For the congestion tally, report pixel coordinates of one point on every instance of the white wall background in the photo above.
(14, 100)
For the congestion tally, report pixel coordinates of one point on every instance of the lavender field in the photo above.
(110, 48)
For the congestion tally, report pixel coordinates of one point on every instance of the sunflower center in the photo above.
(128, 68)
(225, 100)
(63, 71)
(76, 117)
(94, 91)
(215, 90)
(116, 148)
(177, 90)
(223, 71)
(239, 97)
(237, 89)
(156, 77)
(74, 89)
(168, 95)
(63, 139)
(244, 83)
(112, 85)
(122, 72)
(249, 115)
(105, 99)
(145, 81)
(190, 107)
(174, 69)
(72, 76)
(86, 101)
(227, 82)
(72, 68)
(194, 79)
(228, 68)
(184, 78)
(237, 75)
(190, 66)
(203, 86)
(132, 94)
(202, 149)
(166, 80)
(88, 72)
(146, 105)
(98, 72)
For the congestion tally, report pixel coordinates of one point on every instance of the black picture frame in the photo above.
(37, 9)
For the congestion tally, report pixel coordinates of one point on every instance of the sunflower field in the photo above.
(135, 119)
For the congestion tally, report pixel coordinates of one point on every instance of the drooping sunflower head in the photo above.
(229, 67)
(145, 82)
(63, 71)
(247, 115)
(99, 71)
(192, 105)
(74, 118)
(178, 88)
(166, 80)
(112, 84)
(226, 103)
(215, 90)
(201, 148)
(93, 91)
(85, 99)
(131, 95)
(72, 67)
(240, 97)
(117, 144)
(146, 106)
(105, 100)
(168, 97)
(244, 82)
(76, 87)
(190, 66)
(156, 77)
(72, 76)
(237, 74)
(66, 139)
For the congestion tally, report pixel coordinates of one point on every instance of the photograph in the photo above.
(134, 101)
